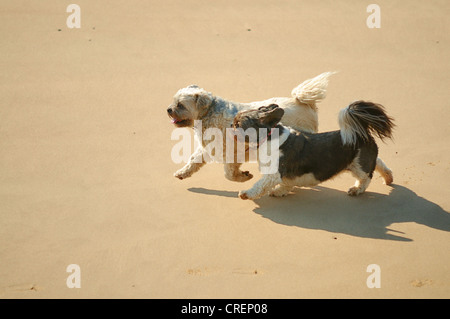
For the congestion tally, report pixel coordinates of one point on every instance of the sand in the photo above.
(86, 175)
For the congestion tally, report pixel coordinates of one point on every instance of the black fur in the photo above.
(372, 118)
(323, 155)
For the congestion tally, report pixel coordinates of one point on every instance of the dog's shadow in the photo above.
(369, 215)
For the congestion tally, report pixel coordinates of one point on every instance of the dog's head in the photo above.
(263, 117)
(189, 104)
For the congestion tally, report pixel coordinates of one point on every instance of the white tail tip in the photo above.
(312, 90)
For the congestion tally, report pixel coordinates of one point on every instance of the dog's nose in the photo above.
(169, 110)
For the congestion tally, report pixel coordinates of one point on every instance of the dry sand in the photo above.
(85, 166)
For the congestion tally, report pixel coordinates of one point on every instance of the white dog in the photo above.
(194, 103)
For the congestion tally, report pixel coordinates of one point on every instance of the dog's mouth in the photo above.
(181, 122)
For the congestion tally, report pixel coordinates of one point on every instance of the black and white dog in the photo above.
(307, 159)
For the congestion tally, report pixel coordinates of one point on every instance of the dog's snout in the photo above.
(169, 110)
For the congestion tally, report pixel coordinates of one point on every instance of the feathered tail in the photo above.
(361, 119)
(312, 90)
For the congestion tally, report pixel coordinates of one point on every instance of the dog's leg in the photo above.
(261, 187)
(196, 161)
(305, 180)
(281, 190)
(360, 186)
(362, 168)
(362, 181)
(384, 171)
(233, 173)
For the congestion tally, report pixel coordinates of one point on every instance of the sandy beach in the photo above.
(86, 175)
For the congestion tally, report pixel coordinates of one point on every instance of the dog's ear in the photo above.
(268, 108)
(271, 114)
(203, 100)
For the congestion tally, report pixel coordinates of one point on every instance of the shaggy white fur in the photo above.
(194, 103)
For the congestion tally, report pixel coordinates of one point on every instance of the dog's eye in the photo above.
(236, 125)
(180, 106)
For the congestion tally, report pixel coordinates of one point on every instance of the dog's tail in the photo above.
(360, 120)
(312, 90)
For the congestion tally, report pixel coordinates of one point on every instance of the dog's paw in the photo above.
(355, 191)
(182, 174)
(279, 192)
(243, 195)
(234, 174)
(243, 176)
(249, 194)
(388, 177)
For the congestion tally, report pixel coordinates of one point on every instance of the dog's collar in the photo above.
(266, 137)
(283, 135)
